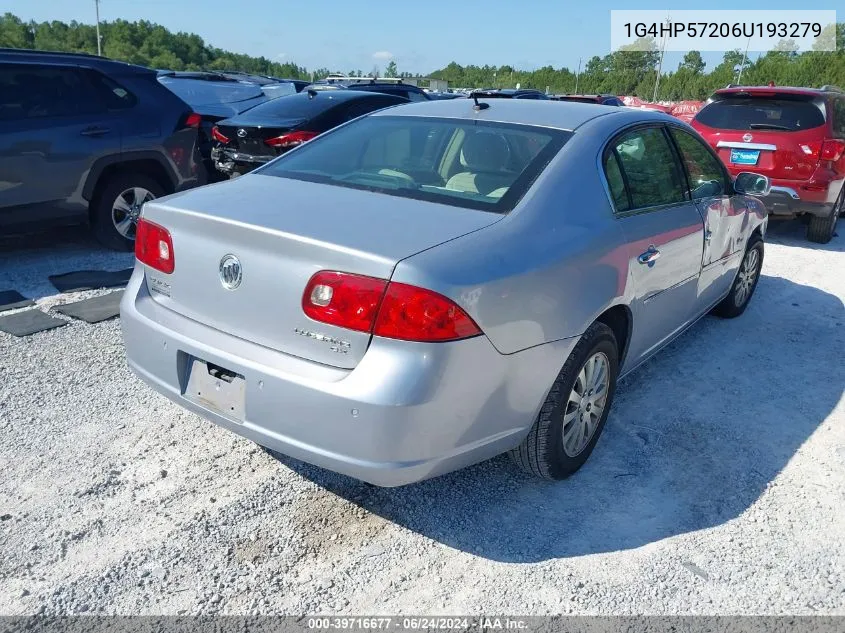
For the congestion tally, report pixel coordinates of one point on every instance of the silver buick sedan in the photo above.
(437, 283)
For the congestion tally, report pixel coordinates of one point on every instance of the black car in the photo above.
(261, 133)
(611, 100)
(214, 97)
(84, 139)
(509, 93)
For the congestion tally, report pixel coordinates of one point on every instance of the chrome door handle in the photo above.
(708, 235)
(649, 256)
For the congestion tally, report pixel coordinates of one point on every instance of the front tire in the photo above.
(745, 283)
(117, 207)
(575, 411)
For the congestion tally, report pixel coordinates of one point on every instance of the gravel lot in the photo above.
(718, 486)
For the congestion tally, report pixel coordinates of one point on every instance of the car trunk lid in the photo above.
(249, 135)
(283, 231)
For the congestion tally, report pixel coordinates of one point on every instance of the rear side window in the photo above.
(463, 163)
(112, 94)
(616, 182)
(649, 168)
(416, 96)
(761, 113)
(33, 92)
(367, 105)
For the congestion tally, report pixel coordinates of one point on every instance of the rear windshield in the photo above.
(464, 163)
(761, 113)
(580, 99)
(301, 105)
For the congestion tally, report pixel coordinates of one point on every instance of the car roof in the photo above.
(76, 59)
(545, 113)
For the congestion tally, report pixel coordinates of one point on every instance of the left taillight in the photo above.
(154, 246)
(291, 139)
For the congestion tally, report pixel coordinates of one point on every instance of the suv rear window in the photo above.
(761, 113)
(463, 163)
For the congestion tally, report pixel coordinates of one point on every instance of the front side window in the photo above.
(707, 178)
(464, 163)
(650, 168)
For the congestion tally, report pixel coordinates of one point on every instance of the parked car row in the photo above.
(87, 139)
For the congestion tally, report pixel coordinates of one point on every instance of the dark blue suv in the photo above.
(84, 139)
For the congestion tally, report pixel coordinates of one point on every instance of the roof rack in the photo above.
(32, 51)
(829, 88)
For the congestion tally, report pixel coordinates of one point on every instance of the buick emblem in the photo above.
(241, 133)
(231, 272)
(746, 137)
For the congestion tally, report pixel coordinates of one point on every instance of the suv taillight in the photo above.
(291, 139)
(193, 120)
(385, 308)
(832, 149)
(154, 246)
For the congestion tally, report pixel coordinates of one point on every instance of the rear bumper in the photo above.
(790, 197)
(229, 161)
(407, 412)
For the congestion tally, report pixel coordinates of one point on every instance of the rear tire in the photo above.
(115, 205)
(745, 282)
(548, 451)
(822, 229)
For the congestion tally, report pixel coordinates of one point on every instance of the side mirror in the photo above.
(752, 184)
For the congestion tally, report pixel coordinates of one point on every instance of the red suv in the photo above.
(795, 136)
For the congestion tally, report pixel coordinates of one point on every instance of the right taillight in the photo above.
(154, 246)
(387, 309)
(832, 149)
(217, 135)
(416, 314)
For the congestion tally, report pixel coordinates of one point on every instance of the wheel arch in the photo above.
(150, 164)
(620, 320)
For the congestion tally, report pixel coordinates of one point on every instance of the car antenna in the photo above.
(479, 106)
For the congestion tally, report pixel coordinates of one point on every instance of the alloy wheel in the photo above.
(747, 276)
(127, 209)
(586, 403)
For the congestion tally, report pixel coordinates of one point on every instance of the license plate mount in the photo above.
(745, 156)
(216, 388)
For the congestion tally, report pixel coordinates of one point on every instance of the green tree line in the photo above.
(634, 72)
(626, 72)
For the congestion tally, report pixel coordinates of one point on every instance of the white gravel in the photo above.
(718, 486)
